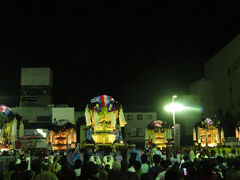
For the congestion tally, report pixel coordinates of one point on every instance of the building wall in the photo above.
(36, 87)
(136, 124)
(206, 92)
(223, 69)
(34, 114)
(36, 77)
(66, 113)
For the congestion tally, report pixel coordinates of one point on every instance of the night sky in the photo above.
(136, 55)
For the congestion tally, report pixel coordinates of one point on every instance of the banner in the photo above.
(177, 134)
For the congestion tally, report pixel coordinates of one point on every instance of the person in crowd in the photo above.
(10, 170)
(145, 164)
(164, 167)
(173, 174)
(153, 171)
(77, 167)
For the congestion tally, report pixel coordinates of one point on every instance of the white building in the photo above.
(136, 124)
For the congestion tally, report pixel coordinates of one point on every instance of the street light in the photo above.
(173, 112)
(173, 107)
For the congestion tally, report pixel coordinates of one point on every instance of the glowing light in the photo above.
(40, 131)
(173, 107)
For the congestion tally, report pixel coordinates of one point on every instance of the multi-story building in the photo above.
(36, 99)
(36, 87)
(136, 124)
(219, 91)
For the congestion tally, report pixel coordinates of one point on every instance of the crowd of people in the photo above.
(125, 163)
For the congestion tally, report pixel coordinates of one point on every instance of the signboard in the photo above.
(177, 134)
(33, 143)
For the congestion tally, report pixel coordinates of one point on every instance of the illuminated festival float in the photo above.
(8, 128)
(237, 131)
(62, 136)
(158, 132)
(102, 115)
(208, 132)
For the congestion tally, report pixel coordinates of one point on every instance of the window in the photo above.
(129, 117)
(150, 116)
(139, 117)
(43, 118)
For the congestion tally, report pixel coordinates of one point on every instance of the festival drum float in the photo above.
(208, 132)
(158, 132)
(102, 114)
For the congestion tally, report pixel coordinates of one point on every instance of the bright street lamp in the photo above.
(173, 107)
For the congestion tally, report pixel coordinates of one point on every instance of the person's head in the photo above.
(236, 164)
(173, 174)
(11, 165)
(220, 159)
(144, 176)
(116, 166)
(233, 151)
(144, 158)
(77, 164)
(137, 166)
(186, 158)
(132, 161)
(23, 165)
(156, 159)
(165, 164)
(153, 145)
(36, 165)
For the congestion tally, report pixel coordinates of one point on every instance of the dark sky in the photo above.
(136, 55)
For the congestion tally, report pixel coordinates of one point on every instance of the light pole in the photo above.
(173, 111)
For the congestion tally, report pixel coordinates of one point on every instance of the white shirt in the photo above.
(77, 172)
(161, 176)
(144, 168)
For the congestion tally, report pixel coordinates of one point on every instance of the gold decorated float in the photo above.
(8, 128)
(158, 132)
(62, 136)
(102, 114)
(208, 133)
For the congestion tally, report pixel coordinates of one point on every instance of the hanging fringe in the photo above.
(122, 120)
(222, 135)
(146, 134)
(153, 137)
(198, 135)
(21, 130)
(165, 135)
(218, 137)
(206, 136)
(194, 134)
(236, 132)
(239, 133)
(169, 133)
(113, 119)
(87, 117)
(96, 118)
(14, 128)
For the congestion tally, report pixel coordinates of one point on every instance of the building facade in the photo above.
(219, 91)
(136, 124)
